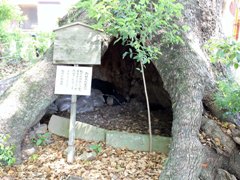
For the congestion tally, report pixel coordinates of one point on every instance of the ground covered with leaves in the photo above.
(49, 162)
(124, 118)
(12, 68)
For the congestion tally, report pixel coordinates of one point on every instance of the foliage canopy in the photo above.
(137, 23)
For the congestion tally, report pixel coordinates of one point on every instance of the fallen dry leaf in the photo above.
(111, 163)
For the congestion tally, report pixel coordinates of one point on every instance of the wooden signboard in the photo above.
(77, 43)
(73, 80)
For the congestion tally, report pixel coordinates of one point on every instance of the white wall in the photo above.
(48, 15)
(227, 20)
(48, 11)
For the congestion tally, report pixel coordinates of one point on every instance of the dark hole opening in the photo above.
(127, 111)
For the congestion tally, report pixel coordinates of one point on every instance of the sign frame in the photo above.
(73, 80)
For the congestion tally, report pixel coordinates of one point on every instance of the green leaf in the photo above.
(125, 54)
(96, 147)
(130, 53)
(117, 40)
(39, 142)
(137, 22)
(238, 57)
(236, 65)
(185, 28)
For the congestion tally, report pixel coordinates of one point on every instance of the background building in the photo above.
(43, 15)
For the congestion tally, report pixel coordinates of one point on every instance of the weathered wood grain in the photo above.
(77, 44)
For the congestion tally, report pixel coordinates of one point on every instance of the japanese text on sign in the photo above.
(73, 80)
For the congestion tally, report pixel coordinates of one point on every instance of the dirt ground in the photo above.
(130, 117)
(49, 162)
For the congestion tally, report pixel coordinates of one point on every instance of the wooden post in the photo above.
(71, 146)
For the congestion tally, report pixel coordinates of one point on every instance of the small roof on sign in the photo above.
(75, 24)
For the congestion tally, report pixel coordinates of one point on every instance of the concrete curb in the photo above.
(132, 141)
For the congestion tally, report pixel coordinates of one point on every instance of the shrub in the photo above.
(15, 45)
(6, 151)
(228, 97)
(224, 50)
(41, 139)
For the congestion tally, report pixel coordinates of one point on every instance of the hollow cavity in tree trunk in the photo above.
(132, 115)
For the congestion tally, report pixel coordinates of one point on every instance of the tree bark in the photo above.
(26, 101)
(186, 75)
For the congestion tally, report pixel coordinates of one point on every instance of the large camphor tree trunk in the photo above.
(184, 75)
(187, 77)
(25, 103)
(189, 80)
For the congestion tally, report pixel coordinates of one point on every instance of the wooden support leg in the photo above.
(71, 147)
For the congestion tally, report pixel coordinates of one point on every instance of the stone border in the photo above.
(132, 141)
